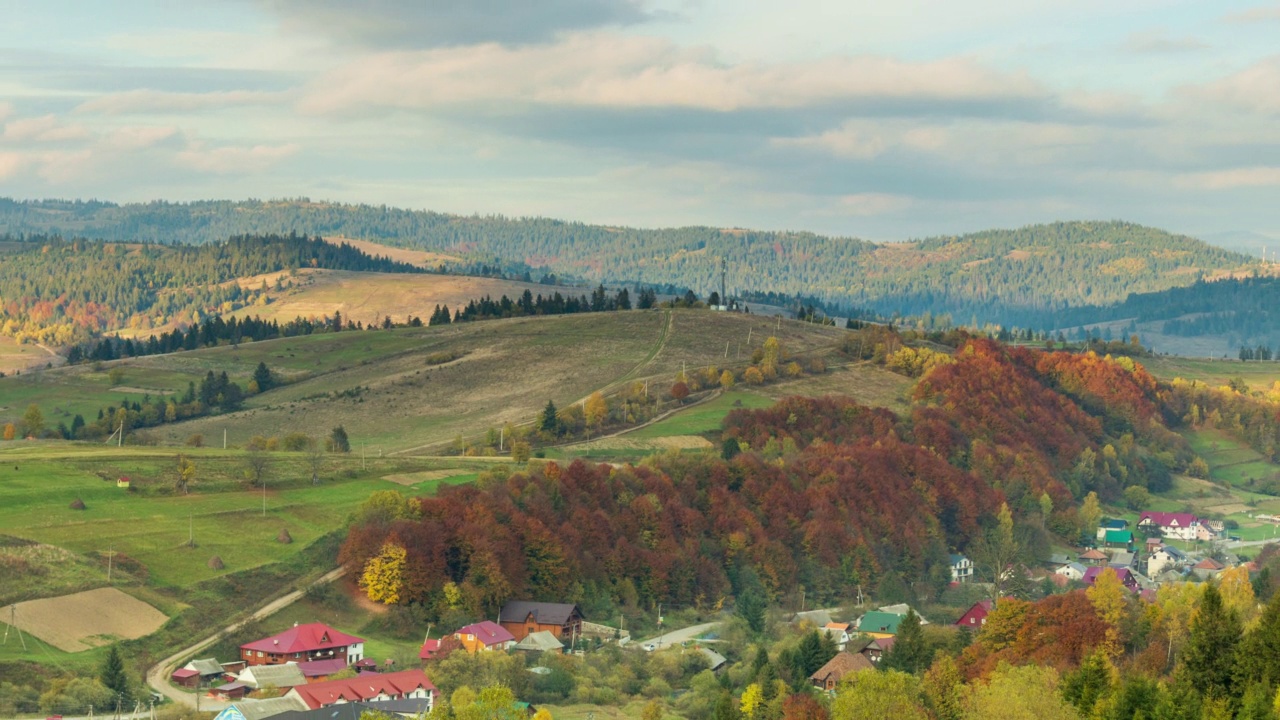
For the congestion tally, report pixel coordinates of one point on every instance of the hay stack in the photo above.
(284, 538)
(215, 563)
(77, 504)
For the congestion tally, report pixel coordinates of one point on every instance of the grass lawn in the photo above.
(703, 418)
(630, 711)
(1259, 375)
(150, 526)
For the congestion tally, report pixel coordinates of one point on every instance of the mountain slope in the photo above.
(1004, 276)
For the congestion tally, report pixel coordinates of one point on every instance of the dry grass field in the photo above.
(18, 358)
(369, 297)
(421, 258)
(85, 620)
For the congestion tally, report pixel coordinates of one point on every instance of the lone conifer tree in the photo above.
(114, 678)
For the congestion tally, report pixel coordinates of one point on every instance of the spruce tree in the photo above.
(550, 423)
(1209, 659)
(1259, 656)
(113, 677)
(909, 653)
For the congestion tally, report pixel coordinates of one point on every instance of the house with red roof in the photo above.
(366, 687)
(302, 643)
(1126, 577)
(484, 635)
(1182, 526)
(976, 616)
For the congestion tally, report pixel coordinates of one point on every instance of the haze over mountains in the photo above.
(1045, 277)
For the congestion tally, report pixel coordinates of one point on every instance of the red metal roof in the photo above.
(370, 685)
(487, 632)
(1168, 519)
(303, 638)
(429, 649)
(183, 673)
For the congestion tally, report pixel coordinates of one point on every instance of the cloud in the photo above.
(10, 164)
(46, 128)
(1267, 13)
(6, 109)
(616, 71)
(229, 160)
(1250, 177)
(155, 101)
(128, 139)
(1252, 89)
(1159, 42)
(438, 23)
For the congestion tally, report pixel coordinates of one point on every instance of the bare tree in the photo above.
(315, 460)
(255, 466)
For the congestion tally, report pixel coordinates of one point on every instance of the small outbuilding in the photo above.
(540, 642)
(186, 678)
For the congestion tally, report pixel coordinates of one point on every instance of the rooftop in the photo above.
(304, 638)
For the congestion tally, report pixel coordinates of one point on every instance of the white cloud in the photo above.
(616, 71)
(135, 138)
(10, 164)
(46, 128)
(157, 102)
(229, 160)
(1253, 89)
(1250, 177)
(6, 109)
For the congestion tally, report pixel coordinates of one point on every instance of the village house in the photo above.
(1121, 559)
(1207, 569)
(961, 569)
(260, 709)
(1125, 576)
(976, 616)
(1072, 571)
(879, 624)
(828, 676)
(483, 636)
(1179, 526)
(539, 642)
(1057, 560)
(313, 641)
(411, 708)
(1118, 539)
(1166, 557)
(1093, 556)
(231, 691)
(401, 685)
(279, 676)
(839, 632)
(522, 618)
(1108, 524)
(320, 670)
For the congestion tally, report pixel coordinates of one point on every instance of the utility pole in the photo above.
(726, 349)
(264, 497)
(224, 438)
(724, 269)
(13, 623)
(111, 555)
(191, 530)
(502, 438)
(362, 465)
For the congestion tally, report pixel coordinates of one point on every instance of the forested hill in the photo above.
(57, 291)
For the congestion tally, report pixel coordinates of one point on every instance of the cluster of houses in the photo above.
(860, 644)
(317, 668)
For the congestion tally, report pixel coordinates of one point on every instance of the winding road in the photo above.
(158, 675)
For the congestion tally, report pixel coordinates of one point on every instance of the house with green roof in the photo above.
(879, 624)
(1118, 538)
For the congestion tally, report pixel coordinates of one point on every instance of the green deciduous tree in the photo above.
(878, 695)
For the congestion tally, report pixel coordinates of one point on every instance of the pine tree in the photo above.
(1089, 684)
(909, 653)
(113, 677)
(1209, 659)
(1259, 657)
(550, 422)
(262, 376)
(750, 607)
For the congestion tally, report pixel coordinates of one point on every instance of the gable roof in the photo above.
(878, 621)
(353, 711)
(1122, 574)
(516, 611)
(1208, 564)
(982, 605)
(714, 659)
(1173, 552)
(885, 644)
(320, 668)
(364, 687)
(1122, 559)
(260, 709)
(840, 665)
(1168, 519)
(206, 667)
(1113, 524)
(487, 632)
(1059, 559)
(303, 638)
(542, 640)
(185, 673)
(1093, 554)
(820, 618)
(1119, 536)
(957, 559)
(281, 676)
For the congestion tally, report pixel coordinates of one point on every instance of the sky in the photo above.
(878, 120)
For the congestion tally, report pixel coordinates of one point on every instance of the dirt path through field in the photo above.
(158, 675)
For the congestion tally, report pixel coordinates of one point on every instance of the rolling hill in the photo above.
(1011, 277)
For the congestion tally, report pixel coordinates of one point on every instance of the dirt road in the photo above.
(158, 675)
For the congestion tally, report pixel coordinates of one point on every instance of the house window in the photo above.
(259, 653)
(973, 620)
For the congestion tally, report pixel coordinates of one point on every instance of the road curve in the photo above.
(675, 637)
(158, 675)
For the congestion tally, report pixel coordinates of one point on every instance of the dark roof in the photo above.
(840, 665)
(516, 611)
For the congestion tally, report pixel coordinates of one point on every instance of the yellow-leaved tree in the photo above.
(10, 432)
(752, 700)
(596, 410)
(383, 577)
(1108, 597)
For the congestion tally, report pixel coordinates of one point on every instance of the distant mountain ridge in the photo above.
(1013, 277)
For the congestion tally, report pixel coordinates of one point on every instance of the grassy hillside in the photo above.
(1007, 276)
(382, 386)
